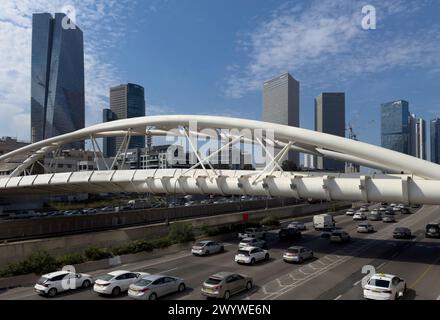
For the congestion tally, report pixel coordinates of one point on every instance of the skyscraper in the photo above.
(435, 140)
(57, 78)
(281, 104)
(395, 126)
(128, 101)
(108, 143)
(417, 137)
(330, 118)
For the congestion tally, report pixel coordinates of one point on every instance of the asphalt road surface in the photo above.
(335, 272)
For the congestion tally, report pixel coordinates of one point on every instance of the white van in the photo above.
(323, 221)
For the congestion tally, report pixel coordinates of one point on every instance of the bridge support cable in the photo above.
(100, 152)
(194, 149)
(37, 155)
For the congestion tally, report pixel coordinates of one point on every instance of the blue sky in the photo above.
(211, 57)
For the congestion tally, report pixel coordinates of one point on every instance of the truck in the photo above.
(323, 221)
(252, 233)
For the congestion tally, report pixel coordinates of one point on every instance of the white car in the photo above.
(252, 242)
(250, 255)
(365, 228)
(301, 226)
(297, 254)
(52, 283)
(363, 209)
(360, 216)
(397, 209)
(350, 212)
(155, 286)
(384, 287)
(113, 283)
(207, 247)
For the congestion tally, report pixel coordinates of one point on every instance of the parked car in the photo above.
(402, 233)
(339, 236)
(113, 283)
(297, 254)
(252, 233)
(225, 284)
(252, 242)
(359, 216)
(384, 287)
(53, 283)
(365, 228)
(375, 215)
(250, 255)
(289, 234)
(301, 226)
(432, 230)
(207, 247)
(350, 212)
(155, 286)
(388, 218)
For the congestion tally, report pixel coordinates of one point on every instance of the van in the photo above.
(323, 221)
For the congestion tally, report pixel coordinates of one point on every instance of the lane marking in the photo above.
(356, 283)
(338, 297)
(381, 265)
(424, 273)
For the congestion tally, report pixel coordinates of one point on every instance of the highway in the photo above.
(334, 273)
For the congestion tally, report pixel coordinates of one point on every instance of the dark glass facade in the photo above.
(435, 140)
(395, 128)
(127, 101)
(109, 143)
(57, 79)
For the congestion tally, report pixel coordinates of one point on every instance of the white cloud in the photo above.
(323, 42)
(104, 24)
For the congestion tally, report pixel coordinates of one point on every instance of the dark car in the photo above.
(432, 230)
(416, 206)
(402, 233)
(327, 232)
(405, 210)
(289, 234)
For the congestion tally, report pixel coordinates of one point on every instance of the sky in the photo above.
(212, 57)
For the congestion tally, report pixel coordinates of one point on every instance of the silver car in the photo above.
(207, 247)
(297, 254)
(301, 226)
(365, 228)
(252, 242)
(155, 286)
(225, 284)
(389, 218)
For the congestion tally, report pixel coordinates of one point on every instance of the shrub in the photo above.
(95, 253)
(270, 221)
(161, 243)
(39, 262)
(70, 259)
(181, 232)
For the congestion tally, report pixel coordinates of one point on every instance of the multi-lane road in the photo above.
(335, 273)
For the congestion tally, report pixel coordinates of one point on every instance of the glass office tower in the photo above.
(435, 140)
(57, 78)
(395, 128)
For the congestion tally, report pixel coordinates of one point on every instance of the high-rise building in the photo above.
(417, 137)
(395, 126)
(57, 78)
(127, 101)
(435, 140)
(330, 118)
(281, 105)
(108, 143)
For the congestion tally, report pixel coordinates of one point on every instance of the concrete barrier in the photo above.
(16, 251)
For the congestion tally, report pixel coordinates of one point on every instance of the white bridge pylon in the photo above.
(411, 180)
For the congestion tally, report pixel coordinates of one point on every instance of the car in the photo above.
(252, 233)
(396, 209)
(327, 232)
(53, 283)
(301, 226)
(155, 286)
(340, 236)
(350, 212)
(207, 247)
(225, 284)
(405, 210)
(416, 206)
(384, 287)
(402, 233)
(289, 233)
(113, 283)
(359, 216)
(297, 254)
(375, 215)
(365, 228)
(392, 205)
(250, 255)
(383, 209)
(401, 205)
(388, 218)
(252, 242)
(363, 209)
(432, 230)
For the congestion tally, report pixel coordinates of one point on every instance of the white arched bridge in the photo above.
(409, 179)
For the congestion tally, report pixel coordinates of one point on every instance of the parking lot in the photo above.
(333, 274)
